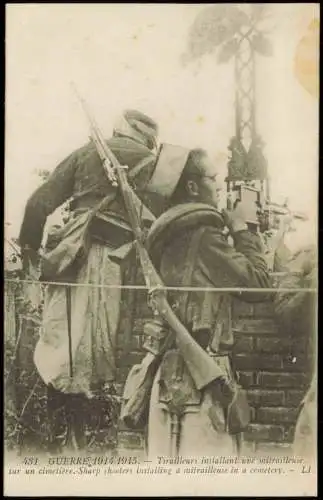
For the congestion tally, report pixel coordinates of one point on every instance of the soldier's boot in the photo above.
(75, 418)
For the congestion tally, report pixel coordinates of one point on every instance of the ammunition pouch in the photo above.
(64, 248)
(136, 393)
(67, 248)
(138, 386)
(154, 335)
(110, 229)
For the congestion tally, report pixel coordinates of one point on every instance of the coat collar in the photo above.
(181, 218)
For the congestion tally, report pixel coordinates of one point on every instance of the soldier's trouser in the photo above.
(66, 420)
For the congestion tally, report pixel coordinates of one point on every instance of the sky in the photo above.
(128, 55)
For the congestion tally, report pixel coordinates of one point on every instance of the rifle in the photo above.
(202, 368)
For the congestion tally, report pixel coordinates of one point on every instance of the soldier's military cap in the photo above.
(138, 126)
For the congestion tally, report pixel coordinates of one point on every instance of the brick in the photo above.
(281, 415)
(280, 345)
(274, 449)
(294, 398)
(299, 345)
(246, 379)
(272, 344)
(243, 343)
(258, 362)
(258, 397)
(130, 440)
(289, 433)
(258, 432)
(296, 363)
(252, 414)
(292, 380)
(257, 326)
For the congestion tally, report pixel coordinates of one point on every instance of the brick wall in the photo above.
(272, 366)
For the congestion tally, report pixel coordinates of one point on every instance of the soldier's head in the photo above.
(137, 126)
(199, 181)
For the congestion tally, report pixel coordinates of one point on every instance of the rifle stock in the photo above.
(200, 365)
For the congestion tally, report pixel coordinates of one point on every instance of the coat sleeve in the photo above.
(44, 201)
(242, 266)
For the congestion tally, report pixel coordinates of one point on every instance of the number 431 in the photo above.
(30, 461)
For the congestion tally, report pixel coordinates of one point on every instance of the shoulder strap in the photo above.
(186, 281)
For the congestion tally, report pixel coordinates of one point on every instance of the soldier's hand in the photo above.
(236, 219)
(30, 261)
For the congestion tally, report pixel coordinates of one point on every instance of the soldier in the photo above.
(296, 312)
(188, 247)
(75, 354)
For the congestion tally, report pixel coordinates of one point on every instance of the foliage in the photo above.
(262, 45)
(28, 427)
(213, 26)
(25, 395)
(44, 174)
(227, 50)
(218, 27)
(27, 424)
